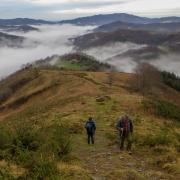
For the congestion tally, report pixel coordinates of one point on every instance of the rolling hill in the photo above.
(42, 100)
(97, 20)
(23, 21)
(44, 106)
(138, 37)
(22, 28)
(135, 46)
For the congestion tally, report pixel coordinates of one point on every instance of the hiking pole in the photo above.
(121, 136)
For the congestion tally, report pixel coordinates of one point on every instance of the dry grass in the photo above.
(73, 171)
(72, 97)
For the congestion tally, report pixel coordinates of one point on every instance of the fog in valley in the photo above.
(111, 54)
(55, 39)
(49, 40)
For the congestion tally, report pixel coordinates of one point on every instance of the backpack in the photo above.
(89, 126)
(126, 126)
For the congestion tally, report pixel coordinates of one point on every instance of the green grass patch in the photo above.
(162, 108)
(35, 149)
(5, 174)
(70, 65)
(156, 140)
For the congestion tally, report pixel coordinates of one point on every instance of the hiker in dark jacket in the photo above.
(125, 128)
(91, 128)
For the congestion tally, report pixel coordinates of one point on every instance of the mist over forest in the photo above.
(22, 44)
(47, 41)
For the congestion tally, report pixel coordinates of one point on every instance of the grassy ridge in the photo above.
(73, 61)
(44, 136)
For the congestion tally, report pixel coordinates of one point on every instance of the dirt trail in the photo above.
(102, 158)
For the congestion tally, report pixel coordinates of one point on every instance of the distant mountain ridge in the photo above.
(123, 17)
(135, 45)
(24, 21)
(98, 20)
(20, 28)
(151, 27)
(138, 37)
(106, 19)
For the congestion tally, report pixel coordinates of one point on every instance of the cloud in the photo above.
(103, 53)
(67, 9)
(75, 1)
(153, 7)
(51, 40)
(111, 53)
(54, 40)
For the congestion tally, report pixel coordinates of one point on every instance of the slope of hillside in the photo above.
(49, 98)
(139, 37)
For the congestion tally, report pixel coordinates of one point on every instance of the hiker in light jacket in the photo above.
(91, 128)
(125, 128)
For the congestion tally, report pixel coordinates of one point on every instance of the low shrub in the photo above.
(156, 140)
(178, 148)
(5, 174)
(125, 175)
(172, 168)
(20, 145)
(171, 80)
(5, 139)
(162, 108)
(42, 170)
(62, 141)
(35, 149)
(27, 139)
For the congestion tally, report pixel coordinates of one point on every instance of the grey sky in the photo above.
(67, 9)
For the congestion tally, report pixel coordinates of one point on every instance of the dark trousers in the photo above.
(126, 138)
(90, 138)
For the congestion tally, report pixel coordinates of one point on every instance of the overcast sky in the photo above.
(67, 9)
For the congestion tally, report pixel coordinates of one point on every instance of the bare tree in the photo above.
(147, 77)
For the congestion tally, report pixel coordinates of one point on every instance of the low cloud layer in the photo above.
(54, 39)
(50, 40)
(108, 53)
(103, 53)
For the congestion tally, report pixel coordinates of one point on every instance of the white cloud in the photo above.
(136, 6)
(75, 1)
(51, 40)
(86, 11)
(67, 9)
